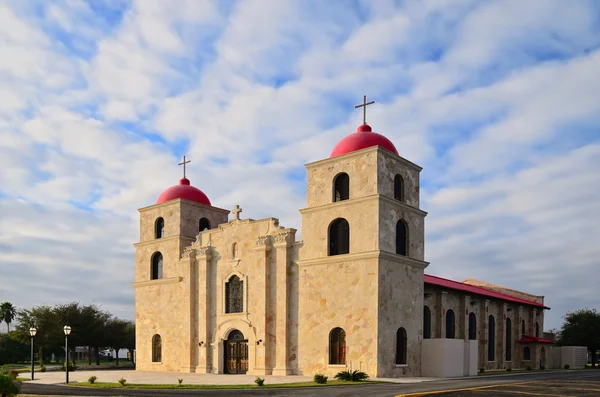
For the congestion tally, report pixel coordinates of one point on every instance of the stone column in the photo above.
(501, 338)
(283, 245)
(483, 333)
(518, 350)
(204, 306)
(266, 342)
(440, 314)
(463, 321)
(190, 276)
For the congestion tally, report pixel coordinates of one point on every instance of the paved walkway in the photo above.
(145, 377)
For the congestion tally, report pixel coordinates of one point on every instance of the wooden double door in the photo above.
(236, 353)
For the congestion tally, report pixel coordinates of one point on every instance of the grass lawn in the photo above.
(106, 385)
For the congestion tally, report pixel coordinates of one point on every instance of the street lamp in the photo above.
(67, 330)
(32, 332)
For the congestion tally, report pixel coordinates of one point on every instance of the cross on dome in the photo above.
(364, 106)
(236, 212)
(184, 163)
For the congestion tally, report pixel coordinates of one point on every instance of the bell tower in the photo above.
(362, 260)
(163, 279)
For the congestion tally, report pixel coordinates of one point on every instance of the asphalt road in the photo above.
(376, 390)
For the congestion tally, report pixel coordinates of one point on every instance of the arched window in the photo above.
(537, 329)
(234, 295)
(450, 325)
(339, 237)
(156, 349)
(401, 342)
(401, 238)
(491, 338)
(203, 224)
(526, 353)
(159, 228)
(523, 327)
(426, 323)
(157, 266)
(508, 338)
(341, 187)
(337, 346)
(399, 188)
(472, 326)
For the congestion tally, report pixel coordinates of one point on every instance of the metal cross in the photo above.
(184, 163)
(236, 212)
(364, 106)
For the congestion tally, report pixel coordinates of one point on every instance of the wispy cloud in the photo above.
(497, 100)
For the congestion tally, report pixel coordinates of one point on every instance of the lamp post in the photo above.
(67, 330)
(32, 332)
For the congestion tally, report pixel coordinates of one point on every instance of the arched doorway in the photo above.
(236, 353)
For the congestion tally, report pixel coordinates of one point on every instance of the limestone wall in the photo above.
(390, 211)
(338, 292)
(361, 216)
(390, 165)
(361, 167)
(400, 304)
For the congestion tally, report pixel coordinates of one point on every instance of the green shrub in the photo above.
(529, 368)
(481, 370)
(567, 366)
(72, 367)
(180, 380)
(542, 367)
(259, 381)
(508, 369)
(122, 381)
(42, 368)
(13, 374)
(92, 379)
(9, 387)
(320, 378)
(351, 376)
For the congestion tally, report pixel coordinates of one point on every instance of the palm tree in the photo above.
(7, 313)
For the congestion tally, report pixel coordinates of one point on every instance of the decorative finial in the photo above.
(364, 106)
(236, 212)
(184, 163)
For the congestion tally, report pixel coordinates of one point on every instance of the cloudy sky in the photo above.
(497, 100)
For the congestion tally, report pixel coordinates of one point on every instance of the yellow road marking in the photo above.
(562, 386)
(426, 393)
(530, 393)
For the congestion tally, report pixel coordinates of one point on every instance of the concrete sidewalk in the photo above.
(145, 377)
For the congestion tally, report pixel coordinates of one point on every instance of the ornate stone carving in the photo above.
(193, 250)
(263, 241)
(283, 237)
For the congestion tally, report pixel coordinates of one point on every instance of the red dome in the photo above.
(183, 191)
(363, 138)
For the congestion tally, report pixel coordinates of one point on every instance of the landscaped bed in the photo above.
(110, 385)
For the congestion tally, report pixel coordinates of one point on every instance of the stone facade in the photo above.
(294, 293)
(439, 301)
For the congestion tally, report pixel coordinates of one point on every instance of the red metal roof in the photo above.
(534, 339)
(458, 286)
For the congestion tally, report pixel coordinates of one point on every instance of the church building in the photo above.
(220, 295)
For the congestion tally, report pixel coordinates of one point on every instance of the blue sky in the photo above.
(496, 100)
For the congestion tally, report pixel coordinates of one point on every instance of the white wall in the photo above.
(470, 358)
(574, 356)
(443, 358)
